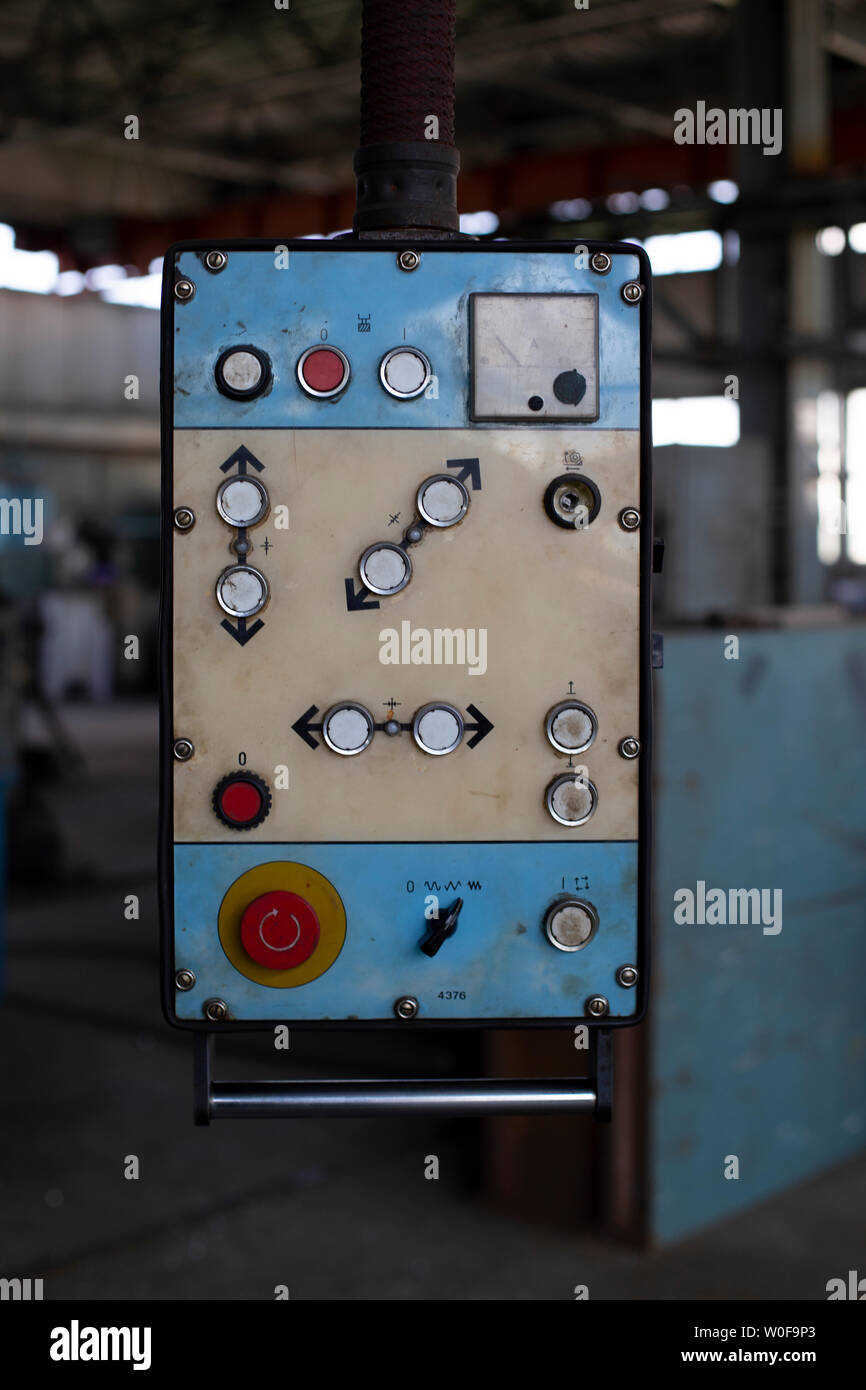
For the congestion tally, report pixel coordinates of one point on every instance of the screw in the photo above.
(407, 1007)
(215, 1010)
(408, 260)
(413, 535)
(184, 290)
(632, 292)
(629, 748)
(392, 728)
(183, 750)
(629, 518)
(601, 262)
(184, 979)
(216, 261)
(626, 976)
(597, 1006)
(184, 518)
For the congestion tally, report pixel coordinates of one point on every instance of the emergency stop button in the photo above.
(241, 800)
(279, 930)
(323, 372)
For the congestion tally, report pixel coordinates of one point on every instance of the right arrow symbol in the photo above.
(482, 725)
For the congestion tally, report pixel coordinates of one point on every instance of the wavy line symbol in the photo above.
(274, 912)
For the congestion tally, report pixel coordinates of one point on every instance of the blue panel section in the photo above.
(284, 311)
(499, 957)
(759, 1036)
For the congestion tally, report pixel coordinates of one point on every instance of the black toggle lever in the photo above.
(441, 929)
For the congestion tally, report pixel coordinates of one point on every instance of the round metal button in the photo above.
(323, 371)
(242, 372)
(571, 799)
(442, 500)
(385, 568)
(348, 728)
(438, 729)
(405, 372)
(242, 501)
(570, 924)
(571, 726)
(241, 591)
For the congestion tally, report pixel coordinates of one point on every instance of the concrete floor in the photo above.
(333, 1209)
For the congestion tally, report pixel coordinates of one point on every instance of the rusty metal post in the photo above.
(406, 166)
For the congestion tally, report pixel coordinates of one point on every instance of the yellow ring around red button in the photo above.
(307, 883)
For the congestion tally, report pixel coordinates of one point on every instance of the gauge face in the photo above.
(241, 591)
(242, 501)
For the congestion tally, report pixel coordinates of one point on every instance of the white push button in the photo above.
(242, 373)
(385, 569)
(571, 726)
(348, 728)
(570, 924)
(405, 372)
(242, 501)
(442, 500)
(438, 729)
(241, 591)
(571, 799)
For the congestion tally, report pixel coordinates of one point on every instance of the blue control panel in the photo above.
(405, 645)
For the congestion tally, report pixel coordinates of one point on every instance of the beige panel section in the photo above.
(557, 606)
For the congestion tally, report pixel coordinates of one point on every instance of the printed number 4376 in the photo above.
(452, 994)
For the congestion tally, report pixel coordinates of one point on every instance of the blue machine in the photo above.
(405, 634)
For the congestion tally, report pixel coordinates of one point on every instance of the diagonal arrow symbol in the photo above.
(356, 601)
(242, 633)
(240, 459)
(482, 725)
(303, 726)
(469, 468)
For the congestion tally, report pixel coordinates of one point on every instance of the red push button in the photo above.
(242, 800)
(323, 371)
(279, 930)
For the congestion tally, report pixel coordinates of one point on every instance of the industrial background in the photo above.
(126, 127)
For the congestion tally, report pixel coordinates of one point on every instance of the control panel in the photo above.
(405, 633)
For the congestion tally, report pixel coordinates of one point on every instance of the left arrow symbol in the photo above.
(303, 726)
(242, 633)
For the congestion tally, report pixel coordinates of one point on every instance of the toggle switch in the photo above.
(440, 930)
(279, 930)
(348, 728)
(571, 799)
(405, 372)
(385, 568)
(241, 800)
(242, 372)
(242, 501)
(438, 729)
(323, 372)
(570, 924)
(571, 726)
(241, 591)
(442, 500)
